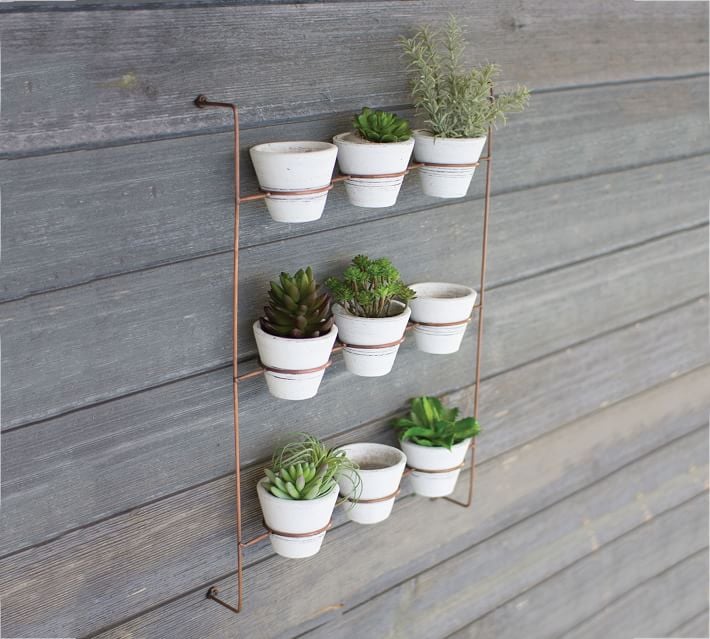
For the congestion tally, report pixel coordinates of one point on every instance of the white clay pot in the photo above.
(291, 354)
(441, 303)
(370, 332)
(434, 458)
(381, 469)
(446, 181)
(296, 516)
(360, 157)
(294, 166)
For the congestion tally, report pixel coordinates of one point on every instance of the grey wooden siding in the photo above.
(590, 517)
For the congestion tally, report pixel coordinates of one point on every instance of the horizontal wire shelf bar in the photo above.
(260, 370)
(262, 195)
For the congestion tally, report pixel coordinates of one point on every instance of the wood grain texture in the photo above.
(508, 491)
(596, 581)
(597, 573)
(121, 454)
(696, 627)
(649, 611)
(120, 335)
(144, 557)
(59, 93)
(96, 213)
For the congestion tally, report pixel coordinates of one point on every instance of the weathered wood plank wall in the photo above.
(117, 471)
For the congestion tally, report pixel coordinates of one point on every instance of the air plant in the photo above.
(430, 423)
(306, 469)
(296, 307)
(381, 126)
(368, 287)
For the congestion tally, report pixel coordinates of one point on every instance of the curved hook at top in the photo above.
(200, 101)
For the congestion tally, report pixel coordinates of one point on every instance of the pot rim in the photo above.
(291, 502)
(257, 329)
(343, 312)
(425, 133)
(282, 148)
(399, 452)
(466, 290)
(340, 138)
(466, 441)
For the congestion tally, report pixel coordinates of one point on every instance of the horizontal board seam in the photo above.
(213, 130)
(702, 613)
(249, 566)
(341, 434)
(484, 378)
(583, 558)
(537, 513)
(394, 215)
(645, 581)
(590, 258)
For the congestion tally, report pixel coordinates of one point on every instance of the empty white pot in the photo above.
(290, 354)
(446, 181)
(434, 458)
(294, 166)
(360, 157)
(381, 469)
(441, 303)
(357, 331)
(296, 516)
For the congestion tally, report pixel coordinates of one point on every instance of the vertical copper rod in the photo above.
(201, 101)
(481, 302)
(235, 354)
(481, 306)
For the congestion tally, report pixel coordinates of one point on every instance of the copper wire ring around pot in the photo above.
(434, 472)
(375, 500)
(328, 526)
(379, 175)
(451, 166)
(459, 323)
(320, 189)
(375, 346)
(302, 371)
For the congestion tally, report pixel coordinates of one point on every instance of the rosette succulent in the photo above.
(296, 307)
(368, 287)
(430, 423)
(381, 126)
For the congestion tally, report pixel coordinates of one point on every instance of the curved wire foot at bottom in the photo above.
(212, 593)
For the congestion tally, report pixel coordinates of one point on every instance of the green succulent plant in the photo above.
(430, 423)
(381, 126)
(306, 469)
(455, 101)
(369, 287)
(296, 307)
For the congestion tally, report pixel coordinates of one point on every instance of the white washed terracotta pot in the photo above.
(370, 331)
(357, 156)
(375, 483)
(446, 181)
(441, 303)
(294, 166)
(434, 458)
(296, 516)
(291, 354)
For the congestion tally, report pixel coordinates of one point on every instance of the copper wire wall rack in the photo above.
(202, 102)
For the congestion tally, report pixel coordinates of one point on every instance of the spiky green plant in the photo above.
(369, 287)
(306, 469)
(296, 307)
(430, 423)
(454, 101)
(381, 126)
